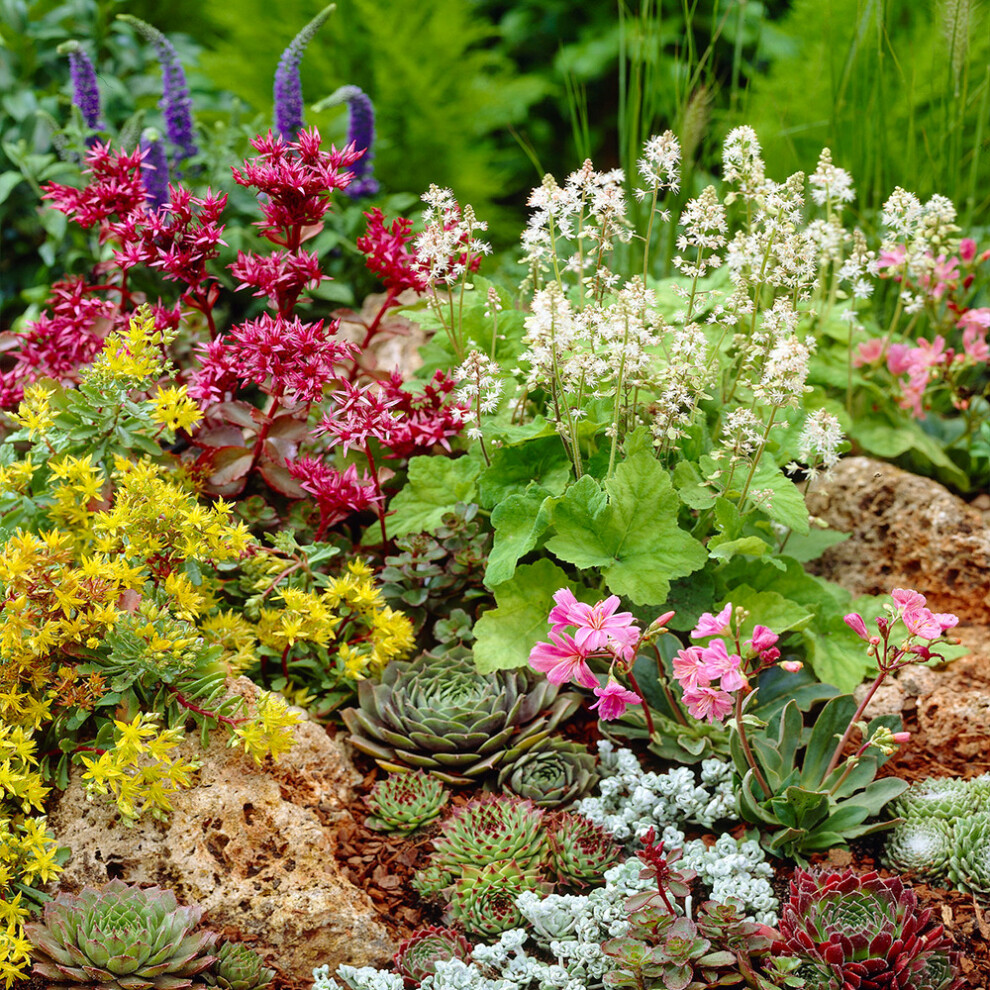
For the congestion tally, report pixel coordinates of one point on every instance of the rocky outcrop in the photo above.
(254, 845)
(906, 532)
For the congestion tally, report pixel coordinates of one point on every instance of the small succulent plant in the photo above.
(120, 938)
(969, 867)
(432, 882)
(859, 930)
(439, 714)
(947, 798)
(238, 967)
(557, 773)
(417, 956)
(921, 846)
(483, 900)
(404, 802)
(493, 829)
(582, 851)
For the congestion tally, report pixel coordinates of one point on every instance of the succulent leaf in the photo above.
(121, 938)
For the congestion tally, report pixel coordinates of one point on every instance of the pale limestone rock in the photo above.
(907, 532)
(254, 845)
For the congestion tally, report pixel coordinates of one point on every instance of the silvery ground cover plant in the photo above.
(545, 571)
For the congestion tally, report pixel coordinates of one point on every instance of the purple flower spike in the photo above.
(176, 103)
(288, 85)
(154, 168)
(85, 92)
(360, 134)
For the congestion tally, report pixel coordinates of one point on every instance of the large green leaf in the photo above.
(628, 527)
(435, 485)
(506, 634)
(519, 522)
(540, 463)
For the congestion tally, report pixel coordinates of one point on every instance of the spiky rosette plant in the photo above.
(404, 802)
(582, 851)
(557, 773)
(238, 967)
(494, 828)
(937, 797)
(432, 882)
(862, 932)
(120, 938)
(439, 714)
(969, 866)
(483, 900)
(921, 846)
(418, 955)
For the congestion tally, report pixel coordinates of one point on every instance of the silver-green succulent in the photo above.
(120, 938)
(437, 713)
(557, 773)
(921, 846)
(238, 967)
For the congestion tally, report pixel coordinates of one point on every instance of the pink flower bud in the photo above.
(857, 625)
(661, 620)
(791, 666)
(901, 737)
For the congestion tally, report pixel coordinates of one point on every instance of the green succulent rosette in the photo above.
(238, 967)
(120, 938)
(556, 774)
(440, 715)
(483, 900)
(921, 846)
(969, 866)
(947, 798)
(404, 802)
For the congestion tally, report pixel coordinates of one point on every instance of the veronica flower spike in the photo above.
(288, 85)
(85, 92)
(360, 136)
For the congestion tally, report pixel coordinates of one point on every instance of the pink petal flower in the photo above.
(857, 625)
(946, 620)
(613, 699)
(921, 622)
(708, 703)
(689, 669)
(763, 639)
(713, 625)
(563, 613)
(624, 643)
(899, 358)
(907, 599)
(967, 249)
(719, 663)
(596, 623)
(869, 353)
(563, 660)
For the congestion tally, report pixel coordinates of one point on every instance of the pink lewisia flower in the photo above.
(689, 669)
(921, 622)
(946, 620)
(857, 625)
(891, 259)
(713, 625)
(907, 599)
(597, 624)
(967, 249)
(613, 699)
(563, 660)
(708, 703)
(763, 639)
(899, 358)
(869, 353)
(975, 343)
(564, 612)
(719, 663)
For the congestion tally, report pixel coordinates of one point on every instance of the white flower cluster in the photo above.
(448, 243)
(631, 799)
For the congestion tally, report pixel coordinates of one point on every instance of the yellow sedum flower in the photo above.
(173, 408)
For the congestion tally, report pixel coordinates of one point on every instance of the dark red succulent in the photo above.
(858, 931)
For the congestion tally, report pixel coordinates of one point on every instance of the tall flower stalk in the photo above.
(288, 84)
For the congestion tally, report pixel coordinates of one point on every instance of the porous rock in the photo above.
(907, 532)
(254, 845)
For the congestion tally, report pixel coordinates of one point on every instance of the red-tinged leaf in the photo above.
(311, 231)
(278, 477)
(219, 436)
(229, 464)
(237, 412)
(289, 428)
(279, 450)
